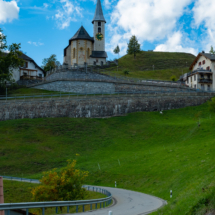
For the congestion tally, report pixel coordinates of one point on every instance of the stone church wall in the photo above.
(97, 106)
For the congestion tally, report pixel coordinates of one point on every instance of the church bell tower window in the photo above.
(99, 23)
(74, 53)
(99, 30)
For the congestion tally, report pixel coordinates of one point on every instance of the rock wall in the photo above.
(97, 86)
(98, 106)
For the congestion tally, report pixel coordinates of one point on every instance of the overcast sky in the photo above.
(45, 27)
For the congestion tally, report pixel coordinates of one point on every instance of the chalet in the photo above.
(202, 73)
(29, 71)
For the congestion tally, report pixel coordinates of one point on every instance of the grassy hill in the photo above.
(165, 64)
(147, 152)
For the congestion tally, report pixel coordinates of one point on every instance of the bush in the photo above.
(173, 78)
(126, 72)
(65, 185)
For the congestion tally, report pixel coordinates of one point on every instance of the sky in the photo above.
(44, 27)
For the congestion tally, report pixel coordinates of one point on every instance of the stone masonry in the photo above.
(98, 106)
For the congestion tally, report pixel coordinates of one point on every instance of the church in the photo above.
(84, 49)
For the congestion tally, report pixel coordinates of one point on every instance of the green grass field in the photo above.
(146, 152)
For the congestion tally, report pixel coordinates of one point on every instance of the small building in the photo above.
(202, 73)
(29, 71)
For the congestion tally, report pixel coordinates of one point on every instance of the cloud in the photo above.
(8, 11)
(35, 43)
(204, 15)
(173, 44)
(67, 13)
(149, 20)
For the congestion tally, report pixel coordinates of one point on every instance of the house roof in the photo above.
(25, 57)
(207, 55)
(82, 34)
(99, 13)
(99, 54)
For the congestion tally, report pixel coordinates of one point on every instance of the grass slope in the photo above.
(147, 152)
(160, 60)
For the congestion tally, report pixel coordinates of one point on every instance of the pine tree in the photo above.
(133, 46)
(117, 50)
(212, 50)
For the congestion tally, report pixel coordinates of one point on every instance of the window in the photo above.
(202, 86)
(25, 64)
(200, 63)
(203, 62)
(195, 86)
(40, 75)
(194, 77)
(188, 80)
(209, 76)
(88, 53)
(191, 79)
(25, 73)
(99, 30)
(74, 53)
(202, 76)
(99, 23)
(208, 68)
(97, 60)
(209, 87)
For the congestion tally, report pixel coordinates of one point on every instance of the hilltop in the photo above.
(166, 64)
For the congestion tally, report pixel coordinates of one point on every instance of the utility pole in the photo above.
(1, 194)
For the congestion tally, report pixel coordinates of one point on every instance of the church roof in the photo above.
(99, 13)
(82, 34)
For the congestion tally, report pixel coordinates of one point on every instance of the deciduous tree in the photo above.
(9, 58)
(212, 50)
(133, 46)
(50, 63)
(65, 185)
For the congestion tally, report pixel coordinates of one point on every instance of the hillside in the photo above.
(161, 60)
(166, 64)
(147, 152)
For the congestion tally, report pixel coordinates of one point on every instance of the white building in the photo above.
(29, 71)
(84, 49)
(203, 72)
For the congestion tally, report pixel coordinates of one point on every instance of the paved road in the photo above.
(126, 202)
(129, 203)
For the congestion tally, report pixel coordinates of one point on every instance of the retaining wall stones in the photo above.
(97, 86)
(98, 106)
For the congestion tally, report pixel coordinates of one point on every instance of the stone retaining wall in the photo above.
(98, 106)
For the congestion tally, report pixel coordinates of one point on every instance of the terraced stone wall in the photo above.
(98, 106)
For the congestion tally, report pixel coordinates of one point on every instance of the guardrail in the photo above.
(99, 203)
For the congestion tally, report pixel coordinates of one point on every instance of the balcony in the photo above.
(205, 81)
(29, 77)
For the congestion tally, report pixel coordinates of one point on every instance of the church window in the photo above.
(74, 53)
(99, 23)
(99, 30)
(88, 53)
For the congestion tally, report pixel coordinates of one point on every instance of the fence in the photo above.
(29, 205)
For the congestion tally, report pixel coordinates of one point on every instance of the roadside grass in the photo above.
(15, 192)
(148, 152)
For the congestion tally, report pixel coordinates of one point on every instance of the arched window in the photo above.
(88, 53)
(99, 30)
(99, 23)
(74, 53)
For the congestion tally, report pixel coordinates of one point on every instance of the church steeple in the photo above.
(99, 13)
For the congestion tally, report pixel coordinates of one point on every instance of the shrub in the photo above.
(126, 72)
(63, 186)
(173, 78)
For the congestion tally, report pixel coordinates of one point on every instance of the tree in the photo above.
(9, 58)
(212, 50)
(117, 50)
(65, 185)
(133, 46)
(50, 63)
(126, 72)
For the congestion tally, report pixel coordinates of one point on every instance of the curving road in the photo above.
(126, 202)
(129, 203)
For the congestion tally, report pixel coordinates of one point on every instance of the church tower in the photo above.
(99, 28)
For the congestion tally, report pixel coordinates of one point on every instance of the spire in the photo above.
(98, 13)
